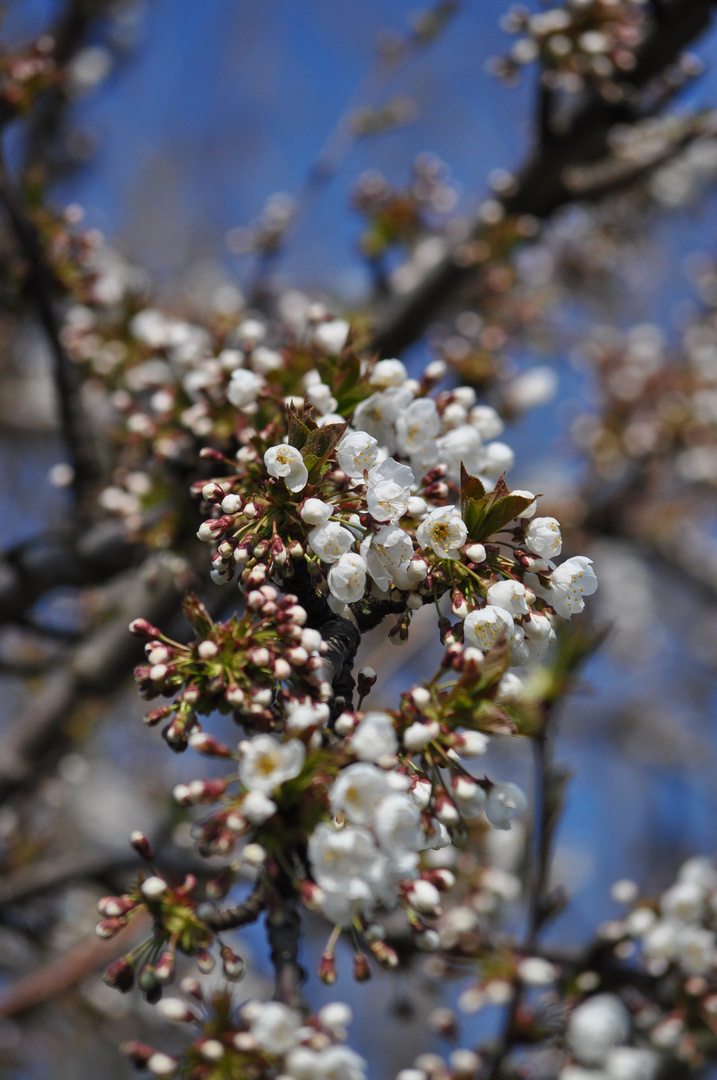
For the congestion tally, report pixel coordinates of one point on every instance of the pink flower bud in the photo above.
(120, 975)
(141, 844)
(143, 629)
(233, 965)
(327, 969)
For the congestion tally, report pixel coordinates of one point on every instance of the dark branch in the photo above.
(35, 567)
(42, 289)
(283, 928)
(241, 914)
(98, 665)
(541, 186)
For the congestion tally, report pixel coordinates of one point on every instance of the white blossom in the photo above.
(266, 762)
(374, 738)
(470, 797)
(417, 428)
(244, 386)
(510, 688)
(444, 531)
(534, 971)
(378, 414)
(503, 803)
(346, 861)
(357, 453)
(486, 421)
(498, 458)
(570, 583)
(388, 373)
(411, 573)
(485, 625)
(330, 541)
(696, 950)
(388, 490)
(461, 445)
(418, 735)
(684, 900)
(276, 1027)
(358, 791)
(631, 1063)
(347, 578)
(257, 807)
(320, 396)
(596, 1026)
(508, 595)
(316, 512)
(285, 461)
(385, 551)
(472, 744)
(398, 825)
(331, 336)
(543, 537)
(302, 715)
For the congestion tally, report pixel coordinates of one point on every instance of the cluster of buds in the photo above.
(586, 41)
(239, 666)
(400, 216)
(176, 927)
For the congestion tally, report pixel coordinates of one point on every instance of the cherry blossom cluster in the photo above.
(674, 940)
(261, 1040)
(399, 497)
(657, 400)
(584, 41)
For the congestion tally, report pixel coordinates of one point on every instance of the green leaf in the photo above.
(488, 513)
(505, 510)
(319, 447)
(298, 430)
(197, 616)
(471, 490)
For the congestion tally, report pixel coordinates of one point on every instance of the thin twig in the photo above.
(67, 971)
(241, 914)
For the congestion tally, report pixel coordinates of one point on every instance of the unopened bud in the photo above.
(232, 964)
(120, 975)
(327, 969)
(206, 744)
(384, 954)
(153, 887)
(143, 629)
(362, 971)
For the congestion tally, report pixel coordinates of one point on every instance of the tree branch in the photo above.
(42, 287)
(541, 186)
(241, 914)
(35, 567)
(96, 666)
(283, 928)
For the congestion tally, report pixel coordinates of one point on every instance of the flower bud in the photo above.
(327, 969)
(362, 971)
(153, 887)
(141, 628)
(233, 965)
(120, 975)
(137, 1053)
(206, 744)
(176, 1011)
